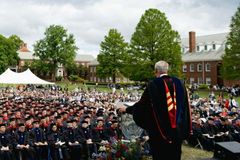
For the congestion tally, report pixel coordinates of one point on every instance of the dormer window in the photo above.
(198, 48)
(214, 46)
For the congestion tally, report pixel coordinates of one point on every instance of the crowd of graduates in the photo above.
(214, 119)
(52, 123)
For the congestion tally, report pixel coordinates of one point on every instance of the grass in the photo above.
(191, 153)
(205, 93)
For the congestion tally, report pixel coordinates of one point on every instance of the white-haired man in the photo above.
(163, 111)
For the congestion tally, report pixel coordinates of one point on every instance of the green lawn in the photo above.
(205, 93)
(190, 153)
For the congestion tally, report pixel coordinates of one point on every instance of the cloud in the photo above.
(90, 20)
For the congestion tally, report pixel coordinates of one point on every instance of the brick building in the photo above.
(202, 57)
(94, 78)
(26, 56)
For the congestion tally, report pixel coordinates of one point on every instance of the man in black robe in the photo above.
(164, 112)
(5, 144)
(71, 137)
(23, 144)
(39, 141)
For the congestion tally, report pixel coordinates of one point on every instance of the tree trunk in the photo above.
(114, 78)
(54, 71)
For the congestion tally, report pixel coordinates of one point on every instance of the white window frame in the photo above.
(214, 48)
(191, 67)
(198, 48)
(200, 80)
(205, 47)
(184, 68)
(208, 80)
(191, 80)
(199, 70)
(208, 67)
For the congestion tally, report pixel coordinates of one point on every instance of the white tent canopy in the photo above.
(26, 77)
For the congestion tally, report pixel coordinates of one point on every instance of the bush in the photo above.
(73, 78)
(203, 86)
(59, 78)
(80, 80)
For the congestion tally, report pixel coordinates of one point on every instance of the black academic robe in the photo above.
(23, 138)
(85, 134)
(57, 152)
(151, 113)
(6, 141)
(38, 135)
(72, 135)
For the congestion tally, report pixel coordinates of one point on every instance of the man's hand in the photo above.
(122, 109)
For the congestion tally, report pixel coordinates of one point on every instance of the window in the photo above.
(191, 67)
(208, 67)
(198, 48)
(184, 68)
(191, 80)
(95, 79)
(199, 67)
(200, 80)
(183, 50)
(208, 80)
(214, 46)
(205, 47)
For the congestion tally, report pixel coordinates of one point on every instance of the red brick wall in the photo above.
(213, 73)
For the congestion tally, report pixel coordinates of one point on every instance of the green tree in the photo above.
(8, 54)
(38, 67)
(57, 47)
(79, 70)
(153, 40)
(16, 41)
(230, 64)
(112, 55)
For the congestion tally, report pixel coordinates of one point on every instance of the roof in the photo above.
(79, 57)
(24, 48)
(84, 58)
(218, 38)
(211, 55)
(26, 55)
(94, 63)
(26, 77)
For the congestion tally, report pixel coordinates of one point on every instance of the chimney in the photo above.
(192, 41)
(24, 48)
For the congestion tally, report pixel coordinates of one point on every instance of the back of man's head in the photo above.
(162, 66)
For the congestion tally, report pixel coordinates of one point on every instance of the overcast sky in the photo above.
(90, 20)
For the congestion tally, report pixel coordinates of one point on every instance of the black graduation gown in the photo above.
(38, 135)
(6, 141)
(23, 138)
(57, 152)
(151, 113)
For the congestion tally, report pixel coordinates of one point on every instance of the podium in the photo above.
(227, 150)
